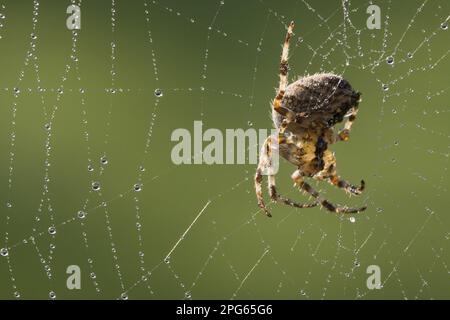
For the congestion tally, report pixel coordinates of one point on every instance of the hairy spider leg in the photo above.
(284, 68)
(329, 174)
(344, 134)
(298, 180)
(349, 188)
(264, 162)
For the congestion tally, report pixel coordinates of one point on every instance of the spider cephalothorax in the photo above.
(305, 112)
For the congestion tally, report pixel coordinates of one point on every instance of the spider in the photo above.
(304, 114)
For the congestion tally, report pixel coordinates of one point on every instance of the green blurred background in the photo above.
(399, 145)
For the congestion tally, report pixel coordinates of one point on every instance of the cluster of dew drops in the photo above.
(390, 59)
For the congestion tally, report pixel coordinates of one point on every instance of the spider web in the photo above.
(140, 227)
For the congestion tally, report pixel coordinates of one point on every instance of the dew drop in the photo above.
(104, 160)
(52, 295)
(4, 252)
(187, 295)
(93, 275)
(158, 93)
(385, 87)
(444, 25)
(16, 295)
(352, 219)
(137, 187)
(409, 55)
(52, 230)
(81, 214)
(95, 185)
(390, 60)
(124, 296)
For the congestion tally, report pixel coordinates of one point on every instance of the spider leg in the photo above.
(278, 198)
(342, 184)
(258, 189)
(284, 68)
(298, 180)
(329, 174)
(344, 134)
(264, 162)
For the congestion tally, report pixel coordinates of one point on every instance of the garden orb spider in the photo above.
(305, 112)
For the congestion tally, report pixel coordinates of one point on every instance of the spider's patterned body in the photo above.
(305, 113)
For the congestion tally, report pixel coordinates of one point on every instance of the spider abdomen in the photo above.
(319, 100)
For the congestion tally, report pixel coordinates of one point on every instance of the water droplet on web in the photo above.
(52, 230)
(409, 55)
(137, 187)
(4, 252)
(302, 292)
(390, 60)
(52, 295)
(16, 295)
(124, 296)
(158, 93)
(385, 87)
(8, 205)
(396, 143)
(81, 214)
(90, 168)
(352, 219)
(47, 126)
(249, 123)
(379, 210)
(187, 295)
(95, 185)
(104, 160)
(93, 276)
(394, 111)
(167, 260)
(444, 25)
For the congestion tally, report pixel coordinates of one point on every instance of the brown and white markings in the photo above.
(305, 112)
